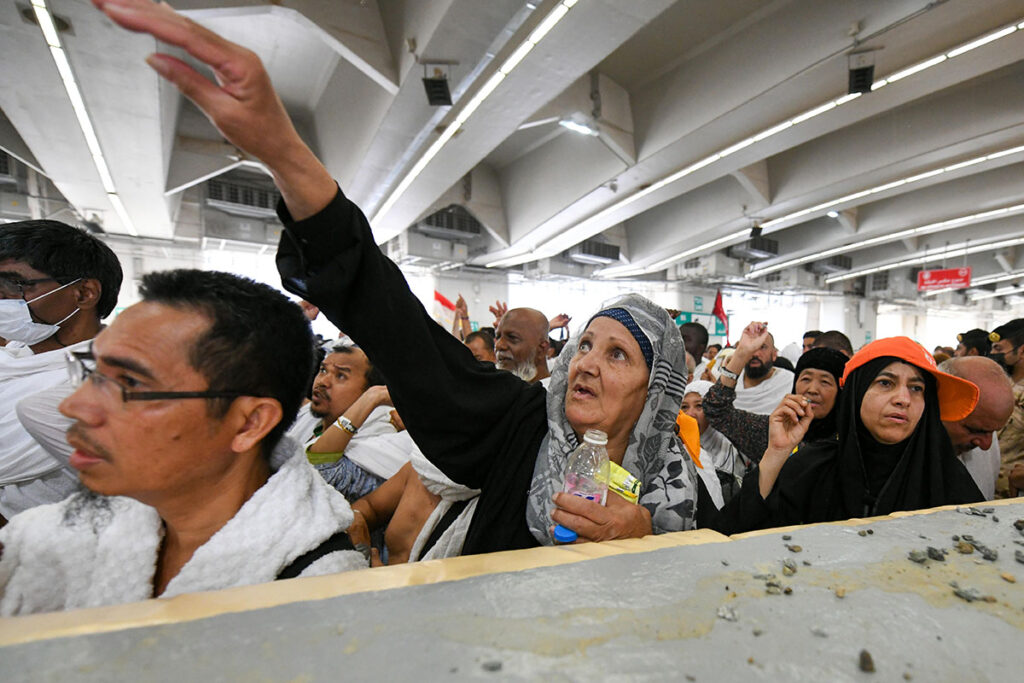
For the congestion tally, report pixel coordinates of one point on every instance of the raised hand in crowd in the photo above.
(560, 320)
(460, 323)
(242, 104)
(335, 438)
(498, 310)
(787, 426)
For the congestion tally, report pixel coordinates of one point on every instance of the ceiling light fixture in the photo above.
(465, 111)
(1005, 291)
(67, 76)
(584, 229)
(891, 237)
(956, 251)
(580, 128)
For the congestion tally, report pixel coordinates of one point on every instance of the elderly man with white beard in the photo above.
(521, 344)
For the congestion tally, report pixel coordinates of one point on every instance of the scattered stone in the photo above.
(806, 563)
(994, 518)
(867, 664)
(862, 533)
(725, 563)
(986, 552)
(955, 537)
(727, 613)
(870, 532)
(967, 594)
(788, 590)
(1018, 541)
(964, 548)
(975, 511)
(819, 632)
(788, 567)
(793, 548)
(907, 676)
(989, 511)
(764, 577)
(493, 665)
(918, 556)
(989, 598)
(840, 592)
(750, 660)
(690, 677)
(1009, 578)
(757, 632)
(1019, 556)
(773, 590)
(936, 554)
(787, 537)
(1019, 525)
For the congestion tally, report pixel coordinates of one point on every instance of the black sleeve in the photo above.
(748, 432)
(460, 412)
(746, 511)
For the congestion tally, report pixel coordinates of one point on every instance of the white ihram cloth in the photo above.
(766, 396)
(23, 462)
(90, 550)
(450, 543)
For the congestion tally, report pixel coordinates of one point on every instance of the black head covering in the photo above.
(856, 476)
(832, 362)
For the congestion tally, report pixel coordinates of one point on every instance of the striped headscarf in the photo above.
(654, 454)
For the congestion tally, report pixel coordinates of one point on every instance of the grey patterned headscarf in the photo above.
(654, 454)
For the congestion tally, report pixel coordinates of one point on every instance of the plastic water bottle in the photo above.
(586, 475)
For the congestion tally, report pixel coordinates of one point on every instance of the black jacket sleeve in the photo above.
(462, 414)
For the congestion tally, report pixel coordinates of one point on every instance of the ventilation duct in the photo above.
(836, 264)
(450, 223)
(755, 249)
(241, 199)
(593, 252)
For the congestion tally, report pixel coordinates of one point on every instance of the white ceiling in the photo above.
(678, 81)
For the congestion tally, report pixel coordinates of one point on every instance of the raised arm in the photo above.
(462, 415)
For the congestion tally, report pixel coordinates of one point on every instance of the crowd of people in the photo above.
(205, 439)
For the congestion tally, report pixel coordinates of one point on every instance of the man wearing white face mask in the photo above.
(56, 284)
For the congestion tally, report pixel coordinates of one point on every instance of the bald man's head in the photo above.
(995, 402)
(521, 344)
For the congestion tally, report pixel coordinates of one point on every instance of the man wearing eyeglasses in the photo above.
(56, 284)
(178, 433)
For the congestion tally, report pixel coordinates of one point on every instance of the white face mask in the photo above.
(16, 322)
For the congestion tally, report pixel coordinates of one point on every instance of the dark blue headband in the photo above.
(622, 316)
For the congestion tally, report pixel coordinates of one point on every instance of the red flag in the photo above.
(719, 312)
(444, 301)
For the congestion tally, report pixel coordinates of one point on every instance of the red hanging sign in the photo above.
(949, 278)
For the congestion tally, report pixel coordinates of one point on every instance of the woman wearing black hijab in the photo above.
(892, 452)
(816, 377)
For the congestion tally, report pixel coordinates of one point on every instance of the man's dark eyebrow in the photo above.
(127, 364)
(11, 275)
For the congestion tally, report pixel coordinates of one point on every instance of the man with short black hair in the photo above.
(810, 336)
(760, 385)
(972, 343)
(179, 417)
(351, 400)
(481, 343)
(56, 284)
(834, 339)
(1008, 351)
(695, 340)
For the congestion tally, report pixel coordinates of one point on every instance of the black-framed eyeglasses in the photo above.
(82, 366)
(10, 287)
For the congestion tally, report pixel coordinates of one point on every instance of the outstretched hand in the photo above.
(498, 310)
(242, 104)
(753, 337)
(560, 320)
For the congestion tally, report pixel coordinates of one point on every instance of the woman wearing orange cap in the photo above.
(892, 452)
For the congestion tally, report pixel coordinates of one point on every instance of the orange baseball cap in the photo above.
(957, 396)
